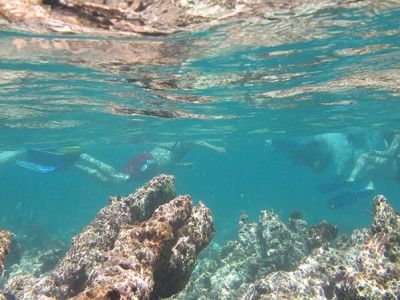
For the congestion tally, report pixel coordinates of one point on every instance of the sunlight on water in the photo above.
(288, 107)
(335, 71)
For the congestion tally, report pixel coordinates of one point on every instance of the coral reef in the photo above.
(261, 248)
(5, 240)
(140, 246)
(314, 278)
(34, 261)
(375, 271)
(319, 265)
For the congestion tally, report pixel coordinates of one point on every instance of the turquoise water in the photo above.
(242, 85)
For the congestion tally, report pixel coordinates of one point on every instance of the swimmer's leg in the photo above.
(108, 171)
(92, 172)
(7, 156)
(359, 168)
(119, 177)
(97, 163)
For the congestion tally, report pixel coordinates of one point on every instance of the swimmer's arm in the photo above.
(207, 145)
(378, 153)
(393, 151)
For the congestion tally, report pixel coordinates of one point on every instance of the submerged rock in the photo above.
(294, 261)
(374, 272)
(140, 246)
(5, 240)
(261, 248)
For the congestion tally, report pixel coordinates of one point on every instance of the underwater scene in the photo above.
(199, 149)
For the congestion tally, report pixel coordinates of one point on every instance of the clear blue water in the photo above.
(245, 83)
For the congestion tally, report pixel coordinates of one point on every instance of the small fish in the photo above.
(348, 197)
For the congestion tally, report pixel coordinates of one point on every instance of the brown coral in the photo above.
(376, 272)
(126, 252)
(5, 240)
(366, 267)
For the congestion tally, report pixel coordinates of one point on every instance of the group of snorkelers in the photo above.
(356, 159)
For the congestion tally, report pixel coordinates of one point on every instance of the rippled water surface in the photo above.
(240, 86)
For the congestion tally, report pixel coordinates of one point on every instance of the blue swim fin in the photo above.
(348, 197)
(36, 167)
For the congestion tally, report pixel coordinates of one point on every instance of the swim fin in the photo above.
(36, 167)
(348, 197)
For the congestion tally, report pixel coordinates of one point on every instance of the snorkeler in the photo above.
(384, 163)
(318, 153)
(312, 153)
(368, 165)
(144, 165)
(141, 166)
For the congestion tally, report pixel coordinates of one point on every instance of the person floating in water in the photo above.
(368, 165)
(318, 153)
(141, 166)
(378, 163)
(311, 152)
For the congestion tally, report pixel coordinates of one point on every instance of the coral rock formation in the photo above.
(143, 263)
(5, 240)
(375, 272)
(271, 260)
(143, 246)
(261, 248)
(365, 267)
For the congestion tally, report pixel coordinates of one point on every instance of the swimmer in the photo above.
(368, 165)
(380, 163)
(141, 166)
(144, 165)
(312, 153)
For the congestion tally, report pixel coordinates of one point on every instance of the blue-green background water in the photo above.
(251, 90)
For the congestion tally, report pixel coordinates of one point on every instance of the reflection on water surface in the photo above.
(293, 109)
